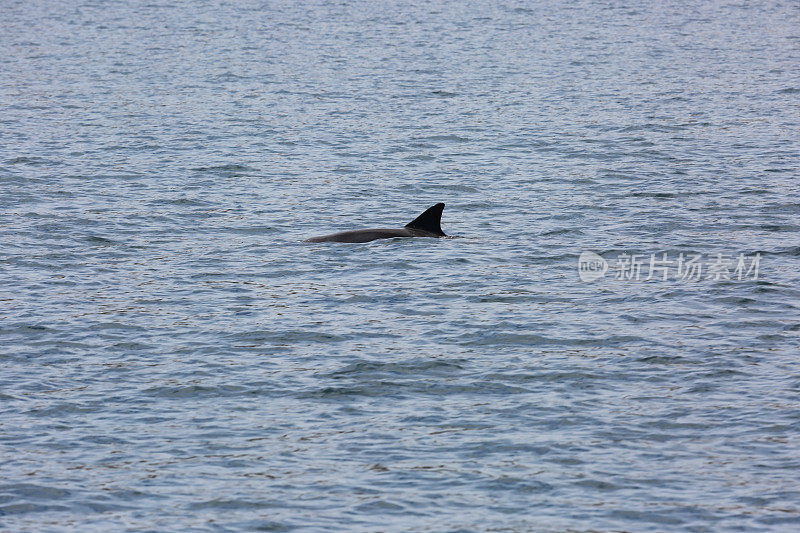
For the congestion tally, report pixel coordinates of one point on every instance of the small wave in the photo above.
(191, 202)
(372, 368)
(33, 161)
(226, 170)
(99, 241)
(445, 138)
(33, 491)
(193, 391)
(505, 339)
(380, 506)
(233, 505)
(24, 508)
(401, 389)
(444, 94)
(266, 336)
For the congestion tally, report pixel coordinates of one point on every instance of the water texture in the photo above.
(174, 358)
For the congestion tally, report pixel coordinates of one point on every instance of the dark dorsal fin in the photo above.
(429, 221)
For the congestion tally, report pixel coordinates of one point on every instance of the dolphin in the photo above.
(425, 225)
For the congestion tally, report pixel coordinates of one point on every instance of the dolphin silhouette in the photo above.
(428, 224)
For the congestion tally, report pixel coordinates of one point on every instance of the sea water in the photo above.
(174, 358)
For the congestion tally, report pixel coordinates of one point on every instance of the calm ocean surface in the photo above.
(174, 358)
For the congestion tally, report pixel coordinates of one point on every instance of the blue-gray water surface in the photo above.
(174, 358)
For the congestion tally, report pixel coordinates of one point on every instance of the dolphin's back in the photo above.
(363, 235)
(428, 224)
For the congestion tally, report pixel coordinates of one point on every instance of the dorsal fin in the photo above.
(430, 220)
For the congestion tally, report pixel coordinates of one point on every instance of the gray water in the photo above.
(174, 358)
